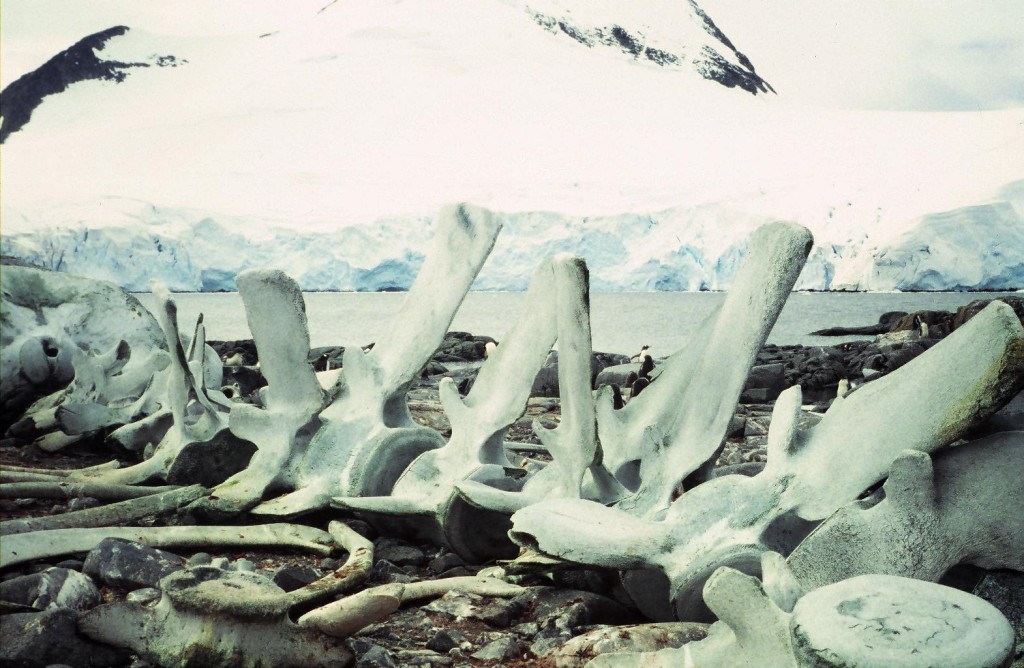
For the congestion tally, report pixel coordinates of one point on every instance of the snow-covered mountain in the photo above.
(635, 134)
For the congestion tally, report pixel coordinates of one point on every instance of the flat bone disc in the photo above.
(884, 620)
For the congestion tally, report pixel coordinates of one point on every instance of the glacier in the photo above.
(977, 247)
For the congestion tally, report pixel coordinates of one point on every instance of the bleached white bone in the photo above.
(870, 620)
(195, 416)
(293, 397)
(22, 547)
(573, 444)
(734, 519)
(346, 616)
(61, 329)
(966, 507)
(426, 493)
(680, 420)
(361, 435)
(207, 616)
(110, 515)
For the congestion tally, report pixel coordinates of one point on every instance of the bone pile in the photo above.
(828, 556)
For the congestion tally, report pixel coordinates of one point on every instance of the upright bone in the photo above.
(426, 493)
(734, 519)
(680, 420)
(357, 438)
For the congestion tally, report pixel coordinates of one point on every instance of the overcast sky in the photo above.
(870, 54)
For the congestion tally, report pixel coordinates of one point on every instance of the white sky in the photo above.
(874, 54)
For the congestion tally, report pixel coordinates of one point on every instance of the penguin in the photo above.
(646, 362)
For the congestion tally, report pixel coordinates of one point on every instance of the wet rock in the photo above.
(53, 588)
(129, 565)
(40, 639)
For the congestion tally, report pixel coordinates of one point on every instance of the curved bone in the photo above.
(678, 423)
(19, 548)
(109, 515)
(724, 521)
(358, 437)
(293, 397)
(967, 508)
(573, 443)
(427, 490)
(346, 616)
(205, 618)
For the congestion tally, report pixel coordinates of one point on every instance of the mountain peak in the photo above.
(80, 62)
(666, 34)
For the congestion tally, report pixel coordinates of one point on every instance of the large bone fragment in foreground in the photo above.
(928, 403)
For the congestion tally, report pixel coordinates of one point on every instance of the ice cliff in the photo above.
(977, 247)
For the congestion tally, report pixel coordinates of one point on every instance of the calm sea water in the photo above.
(620, 322)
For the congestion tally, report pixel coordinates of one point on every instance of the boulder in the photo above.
(36, 640)
(126, 564)
(52, 588)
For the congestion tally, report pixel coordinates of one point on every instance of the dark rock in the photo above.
(940, 323)
(1005, 590)
(369, 654)
(35, 640)
(433, 368)
(387, 572)
(129, 565)
(209, 463)
(290, 578)
(604, 370)
(500, 613)
(446, 562)
(53, 588)
(83, 503)
(398, 553)
(236, 353)
(72, 564)
(502, 649)
(444, 641)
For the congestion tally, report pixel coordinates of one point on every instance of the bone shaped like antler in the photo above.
(678, 423)
(357, 438)
(573, 443)
(730, 520)
(426, 491)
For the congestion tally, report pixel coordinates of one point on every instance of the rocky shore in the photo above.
(560, 618)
